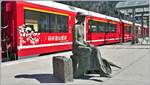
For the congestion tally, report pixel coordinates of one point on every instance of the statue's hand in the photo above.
(81, 46)
(90, 45)
(85, 48)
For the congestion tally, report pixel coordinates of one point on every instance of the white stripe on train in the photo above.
(56, 44)
(43, 45)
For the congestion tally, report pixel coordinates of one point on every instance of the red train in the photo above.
(38, 27)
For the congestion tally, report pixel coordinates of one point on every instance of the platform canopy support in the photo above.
(138, 10)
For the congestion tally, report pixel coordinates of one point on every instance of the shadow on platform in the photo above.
(42, 78)
(50, 78)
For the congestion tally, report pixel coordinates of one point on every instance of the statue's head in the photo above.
(80, 17)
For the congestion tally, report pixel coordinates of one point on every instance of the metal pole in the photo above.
(120, 34)
(0, 35)
(142, 26)
(148, 26)
(133, 30)
(149, 22)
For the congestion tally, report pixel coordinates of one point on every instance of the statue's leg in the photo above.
(83, 64)
(75, 62)
(84, 59)
(99, 62)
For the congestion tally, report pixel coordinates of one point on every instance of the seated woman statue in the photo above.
(85, 56)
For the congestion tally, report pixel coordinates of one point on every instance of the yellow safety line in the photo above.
(99, 20)
(104, 21)
(40, 10)
(113, 22)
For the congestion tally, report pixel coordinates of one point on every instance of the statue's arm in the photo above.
(80, 44)
(88, 44)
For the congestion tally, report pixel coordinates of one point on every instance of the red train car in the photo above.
(138, 32)
(127, 27)
(102, 29)
(146, 31)
(38, 27)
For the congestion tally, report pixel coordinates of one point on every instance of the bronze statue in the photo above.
(86, 57)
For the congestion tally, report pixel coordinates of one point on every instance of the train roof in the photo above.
(138, 24)
(75, 10)
(145, 26)
(112, 18)
(58, 6)
(127, 22)
(96, 14)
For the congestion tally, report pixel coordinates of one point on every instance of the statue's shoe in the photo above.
(106, 75)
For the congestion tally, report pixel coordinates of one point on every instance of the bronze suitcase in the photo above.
(62, 68)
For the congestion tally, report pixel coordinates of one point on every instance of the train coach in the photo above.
(38, 27)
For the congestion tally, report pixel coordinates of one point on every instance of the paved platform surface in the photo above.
(134, 60)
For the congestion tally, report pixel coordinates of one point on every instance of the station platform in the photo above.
(134, 60)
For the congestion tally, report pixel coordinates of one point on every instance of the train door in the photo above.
(85, 29)
(88, 27)
(119, 32)
(122, 31)
(7, 31)
(112, 32)
(127, 32)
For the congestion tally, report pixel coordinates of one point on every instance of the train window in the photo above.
(46, 22)
(114, 27)
(111, 27)
(31, 21)
(128, 29)
(93, 26)
(96, 26)
(102, 26)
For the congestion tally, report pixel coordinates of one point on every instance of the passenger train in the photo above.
(39, 27)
